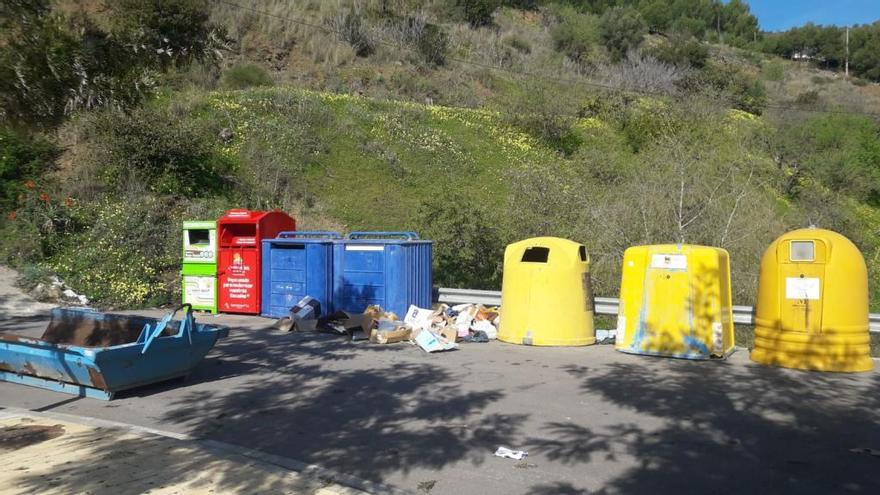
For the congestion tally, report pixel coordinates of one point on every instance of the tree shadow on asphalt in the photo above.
(724, 428)
(111, 462)
(307, 397)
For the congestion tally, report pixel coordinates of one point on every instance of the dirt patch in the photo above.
(20, 436)
(14, 303)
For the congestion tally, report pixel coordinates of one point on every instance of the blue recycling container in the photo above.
(391, 269)
(295, 265)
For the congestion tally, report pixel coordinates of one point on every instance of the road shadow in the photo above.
(111, 462)
(725, 428)
(353, 407)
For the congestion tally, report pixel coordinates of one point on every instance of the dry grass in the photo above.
(835, 92)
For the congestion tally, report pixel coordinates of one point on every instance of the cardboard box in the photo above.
(391, 336)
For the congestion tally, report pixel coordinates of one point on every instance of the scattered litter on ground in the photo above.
(303, 316)
(55, 290)
(511, 454)
(429, 342)
(400, 334)
(605, 336)
(433, 330)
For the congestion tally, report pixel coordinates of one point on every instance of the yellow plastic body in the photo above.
(675, 301)
(545, 294)
(812, 308)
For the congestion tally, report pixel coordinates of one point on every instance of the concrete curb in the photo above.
(348, 484)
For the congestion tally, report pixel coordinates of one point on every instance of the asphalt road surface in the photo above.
(593, 420)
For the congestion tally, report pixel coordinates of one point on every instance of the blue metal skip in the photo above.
(391, 269)
(93, 354)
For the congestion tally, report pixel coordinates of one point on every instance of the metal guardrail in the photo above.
(743, 315)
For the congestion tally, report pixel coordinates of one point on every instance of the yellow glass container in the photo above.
(812, 307)
(545, 294)
(675, 301)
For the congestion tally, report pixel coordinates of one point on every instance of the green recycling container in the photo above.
(199, 271)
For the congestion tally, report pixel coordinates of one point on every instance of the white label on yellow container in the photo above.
(669, 261)
(802, 288)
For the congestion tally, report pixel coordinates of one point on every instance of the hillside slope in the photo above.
(530, 124)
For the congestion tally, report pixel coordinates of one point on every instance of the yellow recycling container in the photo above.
(812, 309)
(675, 301)
(545, 294)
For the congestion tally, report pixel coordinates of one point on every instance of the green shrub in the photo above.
(23, 159)
(547, 113)
(743, 91)
(681, 50)
(478, 12)
(350, 28)
(810, 97)
(622, 29)
(518, 43)
(842, 151)
(53, 63)
(468, 250)
(820, 80)
(245, 76)
(36, 228)
(29, 276)
(689, 25)
(154, 150)
(576, 35)
(127, 254)
(773, 70)
(432, 45)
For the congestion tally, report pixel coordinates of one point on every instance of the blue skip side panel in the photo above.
(99, 372)
(391, 272)
(295, 267)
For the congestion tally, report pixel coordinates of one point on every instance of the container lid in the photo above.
(199, 224)
(242, 216)
(305, 236)
(383, 237)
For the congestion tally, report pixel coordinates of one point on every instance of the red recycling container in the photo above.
(240, 234)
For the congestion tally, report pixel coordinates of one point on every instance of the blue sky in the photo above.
(777, 15)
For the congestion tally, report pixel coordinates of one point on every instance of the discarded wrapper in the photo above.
(464, 319)
(511, 454)
(605, 336)
(417, 317)
(485, 314)
(342, 322)
(486, 327)
(431, 343)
